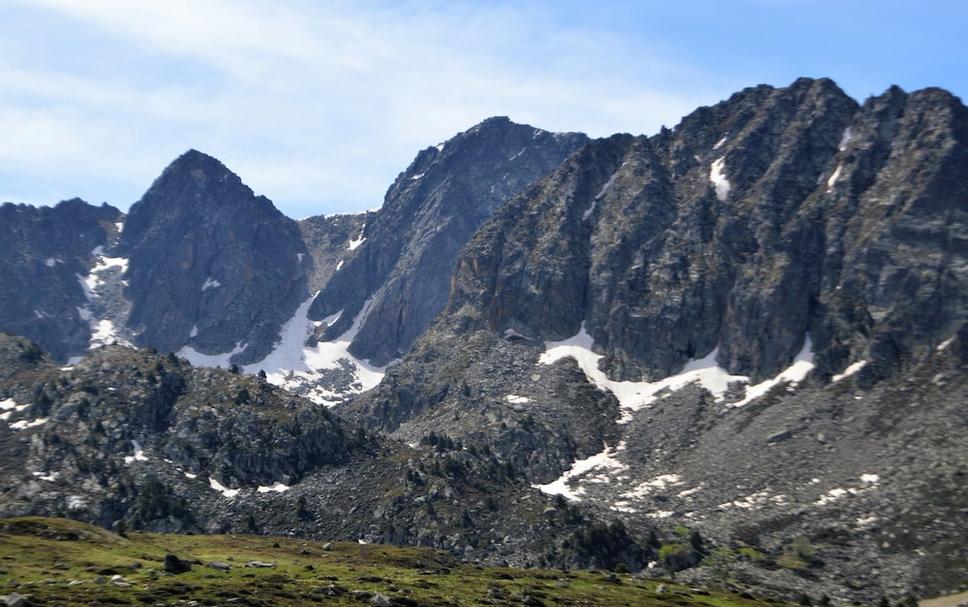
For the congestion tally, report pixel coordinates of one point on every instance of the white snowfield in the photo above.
(635, 395)
(717, 175)
(211, 283)
(9, 406)
(276, 488)
(292, 362)
(850, 370)
(356, 242)
(211, 360)
(214, 484)
(139, 454)
(514, 399)
(569, 484)
(103, 330)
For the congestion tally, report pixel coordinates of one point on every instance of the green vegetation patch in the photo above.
(59, 561)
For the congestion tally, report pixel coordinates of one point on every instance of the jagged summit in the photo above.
(401, 271)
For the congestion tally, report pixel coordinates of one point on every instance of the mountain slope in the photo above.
(753, 294)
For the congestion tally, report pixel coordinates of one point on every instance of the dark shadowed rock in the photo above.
(175, 565)
(212, 265)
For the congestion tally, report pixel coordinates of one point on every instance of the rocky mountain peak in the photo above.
(407, 252)
(200, 240)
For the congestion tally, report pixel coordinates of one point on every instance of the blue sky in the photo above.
(318, 105)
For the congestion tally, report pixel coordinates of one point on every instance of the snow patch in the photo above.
(103, 331)
(721, 142)
(416, 177)
(944, 345)
(850, 370)
(601, 192)
(139, 454)
(193, 332)
(693, 491)
(606, 462)
(517, 400)
(845, 139)
(190, 475)
(794, 374)
(659, 483)
(292, 363)
(210, 283)
(50, 262)
(28, 423)
(633, 395)
(831, 496)
(834, 177)
(717, 175)
(214, 484)
(339, 265)
(9, 406)
(223, 360)
(354, 244)
(870, 479)
(276, 488)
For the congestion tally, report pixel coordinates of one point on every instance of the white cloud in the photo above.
(316, 105)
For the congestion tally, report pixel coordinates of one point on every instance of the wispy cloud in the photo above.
(316, 105)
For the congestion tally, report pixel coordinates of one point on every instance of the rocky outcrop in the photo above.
(45, 252)
(407, 251)
(212, 265)
(131, 439)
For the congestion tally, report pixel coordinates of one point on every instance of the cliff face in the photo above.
(211, 264)
(406, 252)
(45, 254)
(775, 215)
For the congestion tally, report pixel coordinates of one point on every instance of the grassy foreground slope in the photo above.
(63, 562)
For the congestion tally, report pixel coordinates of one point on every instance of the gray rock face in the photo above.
(634, 237)
(211, 264)
(776, 216)
(326, 238)
(404, 265)
(43, 252)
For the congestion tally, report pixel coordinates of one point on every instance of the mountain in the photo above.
(734, 351)
(400, 276)
(735, 326)
(204, 267)
(46, 258)
(211, 265)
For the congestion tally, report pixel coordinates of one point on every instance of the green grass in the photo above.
(43, 555)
